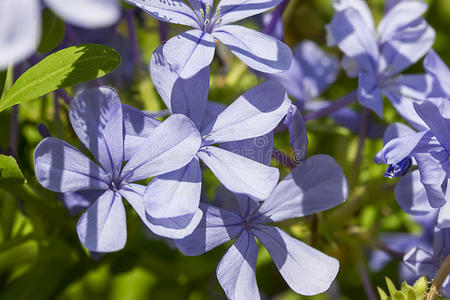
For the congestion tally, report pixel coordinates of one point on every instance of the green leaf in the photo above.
(421, 286)
(398, 296)
(62, 69)
(53, 31)
(391, 287)
(9, 171)
(383, 295)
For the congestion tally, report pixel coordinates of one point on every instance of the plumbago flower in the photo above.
(20, 40)
(425, 189)
(437, 68)
(428, 260)
(192, 50)
(378, 56)
(315, 185)
(175, 196)
(113, 134)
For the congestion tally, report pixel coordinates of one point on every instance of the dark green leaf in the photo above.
(61, 69)
(9, 171)
(3, 74)
(53, 31)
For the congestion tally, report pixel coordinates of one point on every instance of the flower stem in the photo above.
(132, 35)
(334, 106)
(365, 279)
(442, 273)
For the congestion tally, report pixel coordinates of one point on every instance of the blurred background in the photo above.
(42, 258)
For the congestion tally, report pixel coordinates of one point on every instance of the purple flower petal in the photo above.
(18, 42)
(189, 52)
(258, 149)
(87, 13)
(137, 126)
(360, 6)
(407, 90)
(436, 114)
(173, 11)
(420, 261)
(175, 228)
(175, 194)
(231, 11)
(96, 117)
(399, 17)
(406, 47)
(349, 31)
(411, 195)
(316, 185)
(443, 220)
(103, 226)
(171, 146)
(255, 113)
(257, 50)
(62, 168)
(213, 109)
(435, 66)
(181, 96)
(236, 269)
(369, 94)
(306, 270)
(240, 174)
(298, 138)
(76, 202)
(216, 227)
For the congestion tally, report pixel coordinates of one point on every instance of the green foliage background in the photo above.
(41, 257)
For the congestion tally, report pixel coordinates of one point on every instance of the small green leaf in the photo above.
(398, 296)
(421, 286)
(383, 295)
(9, 171)
(61, 69)
(391, 287)
(53, 31)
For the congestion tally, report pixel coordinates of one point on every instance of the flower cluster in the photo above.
(156, 162)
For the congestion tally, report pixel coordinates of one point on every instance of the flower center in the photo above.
(206, 22)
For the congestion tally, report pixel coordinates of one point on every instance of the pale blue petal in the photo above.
(315, 185)
(170, 146)
(411, 195)
(433, 172)
(87, 13)
(18, 42)
(189, 52)
(234, 10)
(240, 174)
(216, 227)
(62, 168)
(257, 50)
(435, 66)
(306, 270)
(181, 96)
(350, 33)
(298, 138)
(360, 6)
(173, 11)
(236, 269)
(255, 113)
(96, 118)
(369, 94)
(259, 149)
(103, 227)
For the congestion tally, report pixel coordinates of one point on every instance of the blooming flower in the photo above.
(425, 189)
(425, 262)
(315, 185)
(113, 134)
(255, 113)
(436, 67)
(192, 50)
(377, 56)
(20, 22)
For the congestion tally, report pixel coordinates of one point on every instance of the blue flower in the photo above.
(174, 197)
(113, 133)
(20, 21)
(377, 56)
(315, 185)
(192, 50)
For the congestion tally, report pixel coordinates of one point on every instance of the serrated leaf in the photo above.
(383, 295)
(9, 171)
(53, 31)
(391, 287)
(62, 69)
